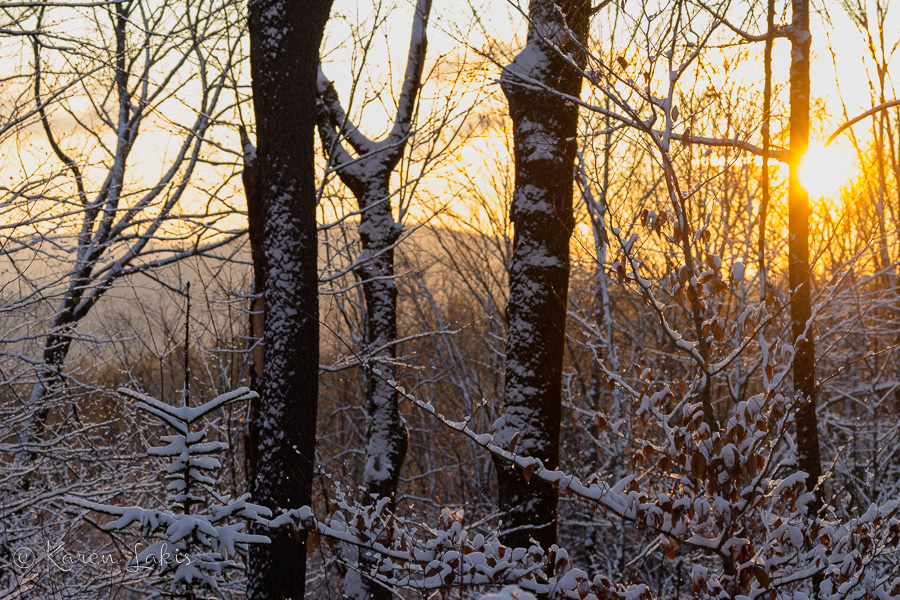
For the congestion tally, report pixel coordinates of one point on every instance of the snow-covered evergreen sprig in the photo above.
(200, 528)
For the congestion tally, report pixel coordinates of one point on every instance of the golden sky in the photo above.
(458, 32)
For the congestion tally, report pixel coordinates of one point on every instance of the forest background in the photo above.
(592, 319)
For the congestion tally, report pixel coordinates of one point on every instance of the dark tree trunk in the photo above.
(806, 420)
(285, 38)
(544, 130)
(798, 248)
(256, 324)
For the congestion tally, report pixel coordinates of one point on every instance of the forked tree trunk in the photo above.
(544, 133)
(73, 308)
(284, 53)
(368, 176)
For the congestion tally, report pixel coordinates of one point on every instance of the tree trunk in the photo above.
(368, 176)
(387, 438)
(604, 352)
(544, 133)
(49, 381)
(798, 248)
(284, 54)
(256, 323)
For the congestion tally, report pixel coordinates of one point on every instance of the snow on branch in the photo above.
(728, 498)
(201, 530)
(452, 555)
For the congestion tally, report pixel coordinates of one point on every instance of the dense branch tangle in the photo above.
(696, 276)
(103, 219)
(615, 85)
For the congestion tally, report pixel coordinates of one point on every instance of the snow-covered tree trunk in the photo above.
(284, 53)
(802, 333)
(369, 179)
(386, 436)
(544, 129)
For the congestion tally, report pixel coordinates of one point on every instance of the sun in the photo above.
(824, 170)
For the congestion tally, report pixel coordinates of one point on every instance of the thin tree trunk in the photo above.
(606, 352)
(544, 131)
(256, 322)
(767, 144)
(802, 333)
(49, 381)
(884, 258)
(284, 55)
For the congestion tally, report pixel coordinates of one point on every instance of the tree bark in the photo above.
(256, 322)
(285, 39)
(544, 133)
(804, 368)
(368, 176)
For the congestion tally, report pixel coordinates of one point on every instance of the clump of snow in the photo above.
(510, 592)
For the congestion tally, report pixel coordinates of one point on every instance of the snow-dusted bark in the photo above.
(284, 52)
(544, 130)
(802, 333)
(368, 176)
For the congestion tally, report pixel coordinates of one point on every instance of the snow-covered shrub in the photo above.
(734, 510)
(197, 535)
(447, 555)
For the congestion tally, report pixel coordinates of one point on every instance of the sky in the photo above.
(459, 32)
(840, 74)
(477, 23)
